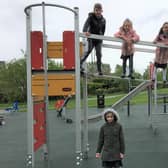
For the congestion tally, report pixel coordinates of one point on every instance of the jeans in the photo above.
(97, 44)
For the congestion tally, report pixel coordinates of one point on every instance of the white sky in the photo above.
(147, 16)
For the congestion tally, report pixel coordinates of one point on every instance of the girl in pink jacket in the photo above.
(129, 37)
(161, 57)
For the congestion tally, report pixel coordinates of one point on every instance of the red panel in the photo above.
(37, 50)
(39, 125)
(69, 50)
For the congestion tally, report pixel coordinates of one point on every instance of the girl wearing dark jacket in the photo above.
(111, 145)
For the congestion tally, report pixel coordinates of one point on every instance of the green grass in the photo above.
(141, 98)
(22, 106)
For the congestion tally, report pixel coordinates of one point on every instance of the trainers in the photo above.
(82, 70)
(123, 76)
(130, 76)
(100, 73)
(164, 82)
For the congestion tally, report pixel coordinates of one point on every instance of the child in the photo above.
(95, 24)
(129, 36)
(111, 140)
(161, 57)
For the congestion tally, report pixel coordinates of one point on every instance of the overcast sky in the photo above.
(147, 16)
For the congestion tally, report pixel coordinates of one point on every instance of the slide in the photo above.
(123, 100)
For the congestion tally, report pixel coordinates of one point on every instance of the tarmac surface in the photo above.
(145, 147)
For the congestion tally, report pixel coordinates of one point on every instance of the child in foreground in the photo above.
(111, 145)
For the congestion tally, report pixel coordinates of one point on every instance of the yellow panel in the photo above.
(38, 99)
(58, 84)
(81, 49)
(55, 49)
(53, 76)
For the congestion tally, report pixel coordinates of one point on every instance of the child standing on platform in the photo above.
(111, 141)
(129, 37)
(161, 57)
(95, 24)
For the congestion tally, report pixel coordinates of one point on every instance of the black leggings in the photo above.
(112, 164)
(125, 58)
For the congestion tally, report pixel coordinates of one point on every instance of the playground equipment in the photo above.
(154, 116)
(14, 107)
(126, 98)
(60, 106)
(58, 84)
(159, 116)
(44, 83)
(2, 120)
(40, 82)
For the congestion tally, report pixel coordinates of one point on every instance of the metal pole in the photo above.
(128, 103)
(78, 91)
(164, 103)
(155, 93)
(85, 119)
(30, 120)
(128, 108)
(149, 100)
(45, 146)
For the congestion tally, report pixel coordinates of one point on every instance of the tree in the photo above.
(92, 67)
(146, 74)
(52, 65)
(118, 70)
(13, 80)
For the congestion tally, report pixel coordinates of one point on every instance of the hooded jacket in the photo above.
(111, 138)
(94, 24)
(127, 48)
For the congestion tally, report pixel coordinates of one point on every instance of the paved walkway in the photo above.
(144, 149)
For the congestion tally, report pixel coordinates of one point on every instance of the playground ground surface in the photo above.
(144, 149)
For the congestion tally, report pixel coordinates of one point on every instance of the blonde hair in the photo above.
(127, 21)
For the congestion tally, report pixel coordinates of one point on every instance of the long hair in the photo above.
(161, 29)
(127, 20)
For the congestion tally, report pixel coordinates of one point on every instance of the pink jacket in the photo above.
(161, 53)
(128, 39)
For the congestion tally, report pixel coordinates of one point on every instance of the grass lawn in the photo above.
(141, 98)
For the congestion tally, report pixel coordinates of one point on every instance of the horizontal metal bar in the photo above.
(34, 72)
(136, 48)
(114, 39)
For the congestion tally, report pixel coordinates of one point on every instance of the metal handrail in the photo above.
(114, 39)
(46, 4)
